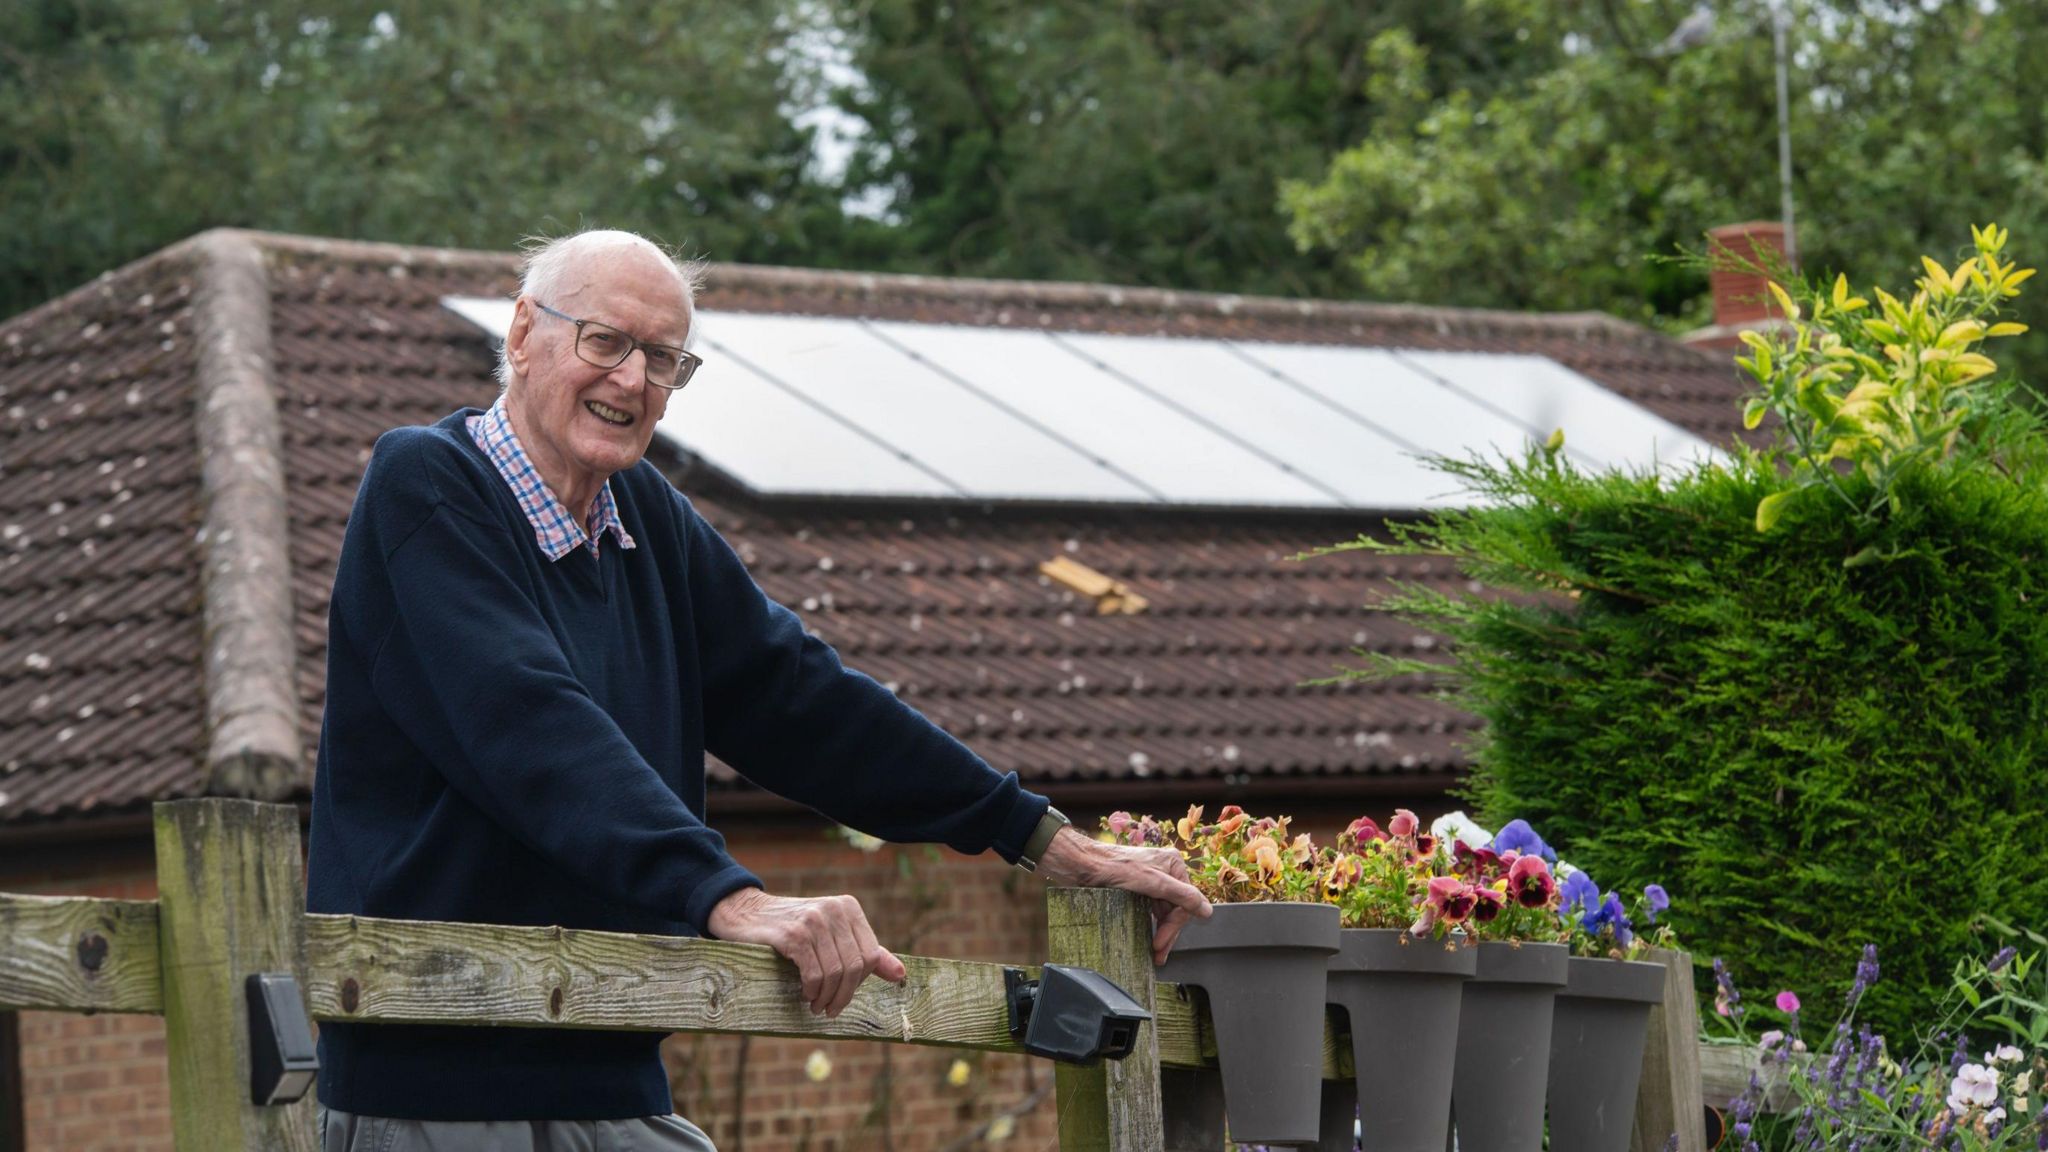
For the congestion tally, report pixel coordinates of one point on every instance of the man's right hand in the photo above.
(826, 937)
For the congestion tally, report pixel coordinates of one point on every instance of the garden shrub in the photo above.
(1825, 734)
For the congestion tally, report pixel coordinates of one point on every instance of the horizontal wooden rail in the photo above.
(400, 971)
(79, 954)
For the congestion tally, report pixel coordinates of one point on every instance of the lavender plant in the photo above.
(1955, 1092)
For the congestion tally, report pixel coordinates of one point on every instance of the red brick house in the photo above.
(180, 443)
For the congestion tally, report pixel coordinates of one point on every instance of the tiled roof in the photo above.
(103, 673)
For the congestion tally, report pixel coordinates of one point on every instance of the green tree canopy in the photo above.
(127, 124)
(1908, 120)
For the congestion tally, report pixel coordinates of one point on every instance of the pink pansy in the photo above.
(1118, 821)
(1787, 1002)
(1361, 832)
(1404, 823)
(1530, 881)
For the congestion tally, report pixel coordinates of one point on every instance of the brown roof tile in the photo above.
(101, 678)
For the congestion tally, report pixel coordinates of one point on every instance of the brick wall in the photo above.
(925, 901)
(91, 1083)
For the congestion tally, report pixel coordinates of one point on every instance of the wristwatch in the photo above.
(1049, 826)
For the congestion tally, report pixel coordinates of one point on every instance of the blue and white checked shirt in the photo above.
(553, 527)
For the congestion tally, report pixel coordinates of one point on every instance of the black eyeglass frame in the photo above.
(687, 362)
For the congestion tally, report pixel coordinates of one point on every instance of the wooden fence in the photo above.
(231, 902)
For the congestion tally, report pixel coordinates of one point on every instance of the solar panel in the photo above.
(956, 431)
(1543, 396)
(826, 406)
(1374, 385)
(1173, 456)
(1351, 461)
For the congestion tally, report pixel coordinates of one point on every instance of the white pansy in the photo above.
(1459, 827)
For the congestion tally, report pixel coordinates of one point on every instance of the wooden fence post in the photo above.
(232, 902)
(1113, 1107)
(1669, 1099)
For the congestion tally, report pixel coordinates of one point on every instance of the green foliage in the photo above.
(1132, 143)
(1901, 391)
(1816, 737)
(1905, 118)
(128, 124)
(1810, 755)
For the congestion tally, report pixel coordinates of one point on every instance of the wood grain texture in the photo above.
(1669, 1098)
(1725, 1070)
(231, 903)
(365, 969)
(1115, 1105)
(79, 954)
(412, 972)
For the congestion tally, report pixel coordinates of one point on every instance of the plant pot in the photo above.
(1264, 969)
(1504, 1047)
(1403, 1000)
(1596, 1051)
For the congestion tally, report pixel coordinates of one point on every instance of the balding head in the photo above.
(562, 267)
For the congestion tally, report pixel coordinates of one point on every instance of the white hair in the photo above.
(549, 259)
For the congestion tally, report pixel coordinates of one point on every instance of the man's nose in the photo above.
(631, 373)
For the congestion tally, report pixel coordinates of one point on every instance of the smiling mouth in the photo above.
(609, 414)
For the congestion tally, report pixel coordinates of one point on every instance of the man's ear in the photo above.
(516, 336)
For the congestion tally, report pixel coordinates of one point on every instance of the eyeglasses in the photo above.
(604, 346)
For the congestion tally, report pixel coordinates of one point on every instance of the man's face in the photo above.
(579, 422)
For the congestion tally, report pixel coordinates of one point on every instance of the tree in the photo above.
(1908, 121)
(127, 124)
(1136, 142)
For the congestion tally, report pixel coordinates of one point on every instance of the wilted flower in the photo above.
(1266, 854)
(1230, 819)
(1191, 823)
(1300, 852)
(818, 1066)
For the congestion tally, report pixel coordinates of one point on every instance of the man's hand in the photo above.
(827, 938)
(1160, 873)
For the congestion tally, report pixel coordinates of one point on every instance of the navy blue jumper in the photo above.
(510, 740)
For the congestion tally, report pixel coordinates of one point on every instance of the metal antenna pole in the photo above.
(1784, 132)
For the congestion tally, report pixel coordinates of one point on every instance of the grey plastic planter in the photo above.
(1504, 1047)
(1263, 967)
(1596, 1052)
(1403, 1000)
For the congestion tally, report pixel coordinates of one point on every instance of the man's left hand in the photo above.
(1160, 873)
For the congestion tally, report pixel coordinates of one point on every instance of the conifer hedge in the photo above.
(1829, 733)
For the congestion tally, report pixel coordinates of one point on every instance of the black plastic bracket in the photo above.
(282, 1059)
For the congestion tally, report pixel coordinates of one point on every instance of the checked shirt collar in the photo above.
(553, 527)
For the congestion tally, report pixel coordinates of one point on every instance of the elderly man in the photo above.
(534, 640)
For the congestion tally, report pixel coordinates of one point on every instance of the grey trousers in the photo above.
(343, 1132)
